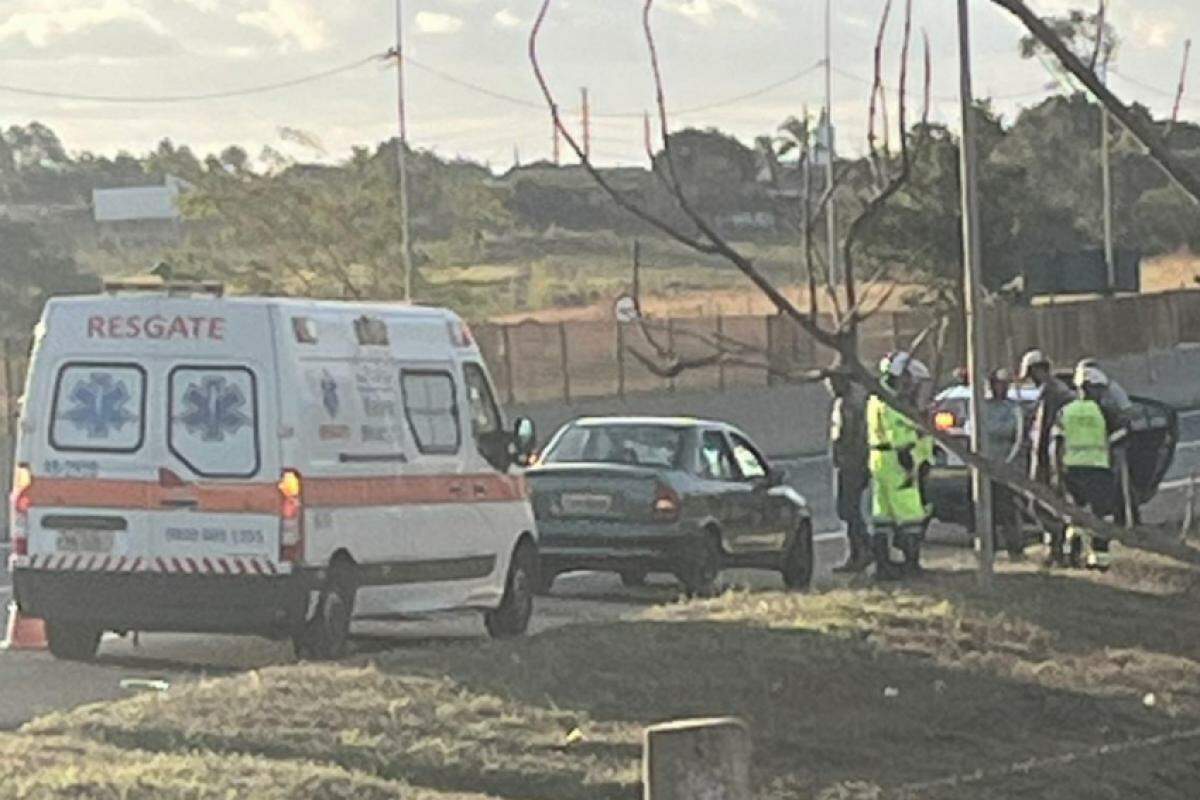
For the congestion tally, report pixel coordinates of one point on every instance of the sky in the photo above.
(731, 58)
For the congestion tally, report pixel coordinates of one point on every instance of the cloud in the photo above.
(44, 22)
(432, 22)
(294, 23)
(706, 11)
(113, 29)
(505, 18)
(1154, 31)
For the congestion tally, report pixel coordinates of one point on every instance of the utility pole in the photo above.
(981, 488)
(1106, 177)
(402, 157)
(587, 123)
(557, 142)
(831, 205)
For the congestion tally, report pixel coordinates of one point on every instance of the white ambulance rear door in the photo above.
(152, 450)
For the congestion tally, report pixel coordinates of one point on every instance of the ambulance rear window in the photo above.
(214, 421)
(99, 408)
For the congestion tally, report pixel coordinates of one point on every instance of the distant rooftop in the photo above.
(138, 203)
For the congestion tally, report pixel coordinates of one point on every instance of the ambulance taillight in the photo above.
(291, 517)
(21, 502)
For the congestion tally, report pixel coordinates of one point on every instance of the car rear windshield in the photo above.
(651, 445)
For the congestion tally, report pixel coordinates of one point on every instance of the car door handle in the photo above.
(457, 489)
(480, 490)
(180, 502)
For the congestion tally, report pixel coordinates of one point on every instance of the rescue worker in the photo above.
(897, 509)
(1083, 465)
(849, 453)
(1004, 427)
(1113, 398)
(1118, 411)
(1054, 394)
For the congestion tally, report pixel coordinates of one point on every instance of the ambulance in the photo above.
(193, 462)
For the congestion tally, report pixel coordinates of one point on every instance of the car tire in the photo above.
(72, 641)
(699, 575)
(326, 637)
(633, 578)
(799, 561)
(511, 618)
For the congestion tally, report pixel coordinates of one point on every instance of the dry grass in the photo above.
(1046, 665)
(38, 767)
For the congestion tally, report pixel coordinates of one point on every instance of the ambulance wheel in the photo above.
(511, 618)
(798, 561)
(543, 582)
(326, 636)
(72, 641)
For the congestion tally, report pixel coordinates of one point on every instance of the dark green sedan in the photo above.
(635, 495)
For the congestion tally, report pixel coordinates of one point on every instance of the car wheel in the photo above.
(326, 636)
(511, 619)
(633, 578)
(798, 562)
(72, 641)
(699, 575)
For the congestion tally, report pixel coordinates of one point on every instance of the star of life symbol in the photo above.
(99, 405)
(214, 409)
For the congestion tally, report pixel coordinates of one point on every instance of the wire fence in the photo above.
(560, 362)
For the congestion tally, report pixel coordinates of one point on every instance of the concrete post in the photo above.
(697, 759)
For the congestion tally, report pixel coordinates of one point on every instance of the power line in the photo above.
(526, 103)
(474, 87)
(189, 98)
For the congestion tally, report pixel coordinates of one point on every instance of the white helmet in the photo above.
(1031, 359)
(1090, 376)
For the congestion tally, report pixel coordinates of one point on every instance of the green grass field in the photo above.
(852, 693)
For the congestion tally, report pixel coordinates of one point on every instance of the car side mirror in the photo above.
(777, 476)
(524, 437)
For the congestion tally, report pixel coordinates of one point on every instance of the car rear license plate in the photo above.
(587, 503)
(85, 541)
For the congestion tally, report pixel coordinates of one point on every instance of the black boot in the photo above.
(860, 555)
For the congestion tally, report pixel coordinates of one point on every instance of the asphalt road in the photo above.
(33, 683)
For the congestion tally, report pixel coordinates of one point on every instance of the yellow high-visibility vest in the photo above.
(1085, 435)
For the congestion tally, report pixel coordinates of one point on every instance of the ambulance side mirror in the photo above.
(524, 437)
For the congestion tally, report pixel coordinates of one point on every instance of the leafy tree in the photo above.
(30, 272)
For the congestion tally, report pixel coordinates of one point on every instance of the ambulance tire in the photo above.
(72, 641)
(326, 637)
(511, 618)
(544, 581)
(798, 561)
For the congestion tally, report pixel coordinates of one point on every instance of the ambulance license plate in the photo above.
(587, 503)
(85, 541)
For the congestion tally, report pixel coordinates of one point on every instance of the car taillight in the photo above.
(666, 503)
(945, 420)
(21, 501)
(291, 517)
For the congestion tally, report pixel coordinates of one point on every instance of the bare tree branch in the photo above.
(848, 362)
(1187, 53)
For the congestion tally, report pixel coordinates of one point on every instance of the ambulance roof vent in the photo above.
(152, 283)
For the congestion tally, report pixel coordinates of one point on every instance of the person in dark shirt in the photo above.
(849, 452)
(1055, 394)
